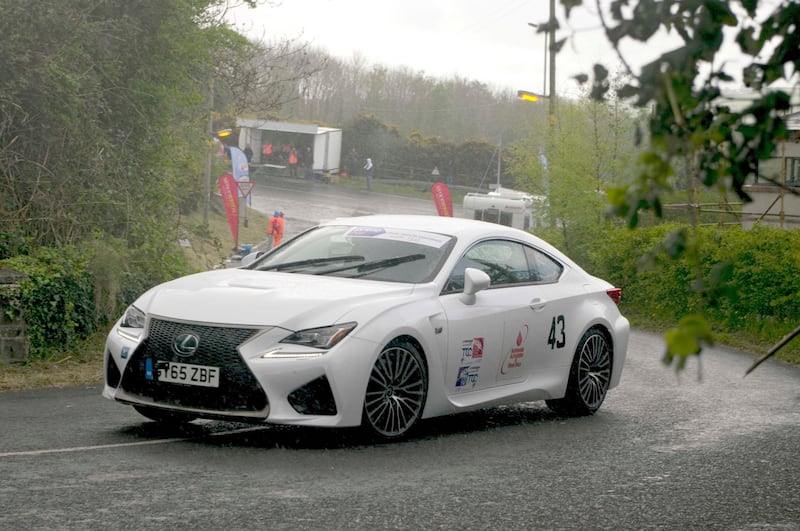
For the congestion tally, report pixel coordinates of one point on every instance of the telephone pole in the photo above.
(551, 23)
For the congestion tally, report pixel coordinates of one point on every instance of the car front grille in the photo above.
(238, 391)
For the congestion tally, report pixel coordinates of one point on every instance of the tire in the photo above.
(589, 377)
(396, 391)
(164, 416)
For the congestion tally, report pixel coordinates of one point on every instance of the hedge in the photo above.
(743, 280)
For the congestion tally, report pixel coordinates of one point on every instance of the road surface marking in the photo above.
(125, 445)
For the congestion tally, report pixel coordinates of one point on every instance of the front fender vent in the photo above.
(112, 371)
(313, 398)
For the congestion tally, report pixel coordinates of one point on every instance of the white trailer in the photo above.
(505, 207)
(327, 150)
(326, 141)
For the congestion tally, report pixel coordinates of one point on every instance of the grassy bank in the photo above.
(83, 363)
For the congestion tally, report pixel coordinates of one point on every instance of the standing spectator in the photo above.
(275, 229)
(450, 166)
(292, 162)
(354, 164)
(248, 153)
(308, 162)
(281, 229)
(369, 171)
(267, 151)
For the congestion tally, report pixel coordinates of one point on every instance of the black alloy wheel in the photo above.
(589, 377)
(396, 391)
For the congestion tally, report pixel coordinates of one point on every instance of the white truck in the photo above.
(506, 207)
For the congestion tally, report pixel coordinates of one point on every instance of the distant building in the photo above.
(776, 188)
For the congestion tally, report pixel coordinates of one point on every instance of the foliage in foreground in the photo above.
(691, 123)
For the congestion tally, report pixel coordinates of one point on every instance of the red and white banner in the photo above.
(441, 197)
(230, 198)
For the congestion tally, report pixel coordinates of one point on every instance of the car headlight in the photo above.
(133, 318)
(325, 337)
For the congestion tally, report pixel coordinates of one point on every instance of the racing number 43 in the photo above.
(557, 338)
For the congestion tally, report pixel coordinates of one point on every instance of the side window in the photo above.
(542, 267)
(505, 262)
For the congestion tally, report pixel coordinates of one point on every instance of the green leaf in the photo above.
(687, 339)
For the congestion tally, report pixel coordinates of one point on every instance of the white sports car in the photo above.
(377, 321)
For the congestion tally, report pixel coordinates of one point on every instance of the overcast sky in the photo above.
(488, 41)
(485, 40)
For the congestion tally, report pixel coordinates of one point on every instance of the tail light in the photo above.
(615, 294)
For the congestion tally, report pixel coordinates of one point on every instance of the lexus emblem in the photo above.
(185, 344)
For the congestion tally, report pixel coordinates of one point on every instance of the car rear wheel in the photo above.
(162, 415)
(396, 391)
(589, 377)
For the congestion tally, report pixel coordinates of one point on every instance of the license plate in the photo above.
(185, 373)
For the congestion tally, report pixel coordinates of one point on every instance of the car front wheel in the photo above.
(589, 377)
(396, 391)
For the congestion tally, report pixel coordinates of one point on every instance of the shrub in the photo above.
(68, 293)
(55, 298)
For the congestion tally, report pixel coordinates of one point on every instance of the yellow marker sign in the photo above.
(528, 96)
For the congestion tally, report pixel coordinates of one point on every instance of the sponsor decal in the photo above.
(428, 239)
(365, 232)
(124, 353)
(472, 349)
(512, 364)
(148, 369)
(467, 377)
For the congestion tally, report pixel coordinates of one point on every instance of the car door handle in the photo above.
(537, 304)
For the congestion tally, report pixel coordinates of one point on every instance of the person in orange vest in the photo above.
(293, 162)
(275, 229)
(266, 150)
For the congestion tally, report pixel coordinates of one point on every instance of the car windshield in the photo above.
(374, 253)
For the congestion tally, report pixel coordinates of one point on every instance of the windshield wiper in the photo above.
(368, 267)
(312, 262)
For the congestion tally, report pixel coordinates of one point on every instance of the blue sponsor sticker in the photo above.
(148, 369)
(124, 353)
(467, 376)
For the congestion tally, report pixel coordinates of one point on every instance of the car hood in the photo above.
(263, 298)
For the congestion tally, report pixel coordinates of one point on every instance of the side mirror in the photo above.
(475, 280)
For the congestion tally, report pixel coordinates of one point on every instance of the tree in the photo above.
(689, 120)
(588, 150)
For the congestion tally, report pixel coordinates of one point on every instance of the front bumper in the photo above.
(326, 390)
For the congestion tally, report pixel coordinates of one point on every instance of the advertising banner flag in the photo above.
(441, 197)
(241, 169)
(230, 198)
(240, 166)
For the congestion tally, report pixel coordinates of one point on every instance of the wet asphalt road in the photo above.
(721, 452)
(306, 203)
(662, 453)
